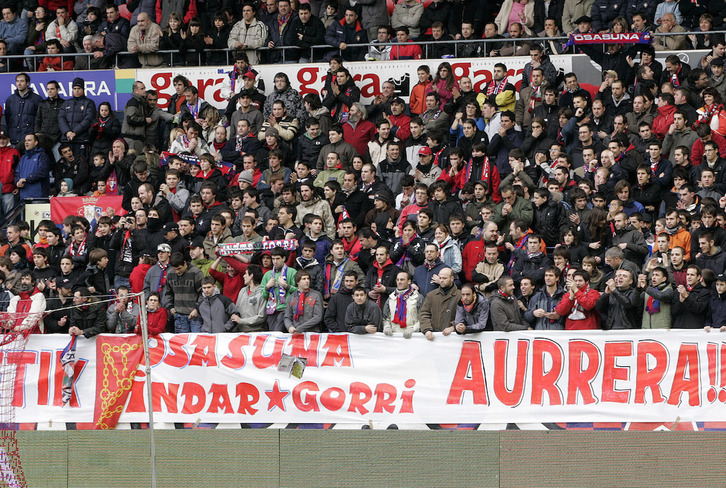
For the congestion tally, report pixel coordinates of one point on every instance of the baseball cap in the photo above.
(163, 248)
(398, 100)
(249, 75)
(171, 226)
(4, 135)
(425, 151)
(198, 241)
(721, 277)
(65, 283)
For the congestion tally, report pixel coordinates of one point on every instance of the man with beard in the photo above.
(394, 167)
(334, 317)
(499, 90)
(28, 306)
(472, 311)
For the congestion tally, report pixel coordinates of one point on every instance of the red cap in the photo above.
(249, 75)
(425, 151)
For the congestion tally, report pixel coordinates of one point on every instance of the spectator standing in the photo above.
(438, 311)
(9, 157)
(21, 109)
(401, 309)
(347, 31)
(217, 312)
(182, 293)
(144, 41)
(248, 34)
(88, 317)
(304, 311)
(76, 118)
(33, 171)
(690, 307)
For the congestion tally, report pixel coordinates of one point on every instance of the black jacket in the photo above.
(692, 312)
(623, 308)
(334, 317)
(46, 122)
(90, 318)
(549, 221)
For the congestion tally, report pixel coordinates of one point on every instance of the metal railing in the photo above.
(316, 52)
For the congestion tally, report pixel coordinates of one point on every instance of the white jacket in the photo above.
(413, 305)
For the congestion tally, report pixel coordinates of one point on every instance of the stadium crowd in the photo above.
(548, 206)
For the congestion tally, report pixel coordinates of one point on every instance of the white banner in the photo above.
(310, 78)
(630, 376)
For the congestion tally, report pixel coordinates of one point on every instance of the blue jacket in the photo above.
(77, 115)
(20, 112)
(15, 33)
(422, 277)
(341, 32)
(717, 310)
(34, 166)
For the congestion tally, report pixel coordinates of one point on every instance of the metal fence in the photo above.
(316, 53)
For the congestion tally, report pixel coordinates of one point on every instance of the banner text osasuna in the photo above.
(490, 377)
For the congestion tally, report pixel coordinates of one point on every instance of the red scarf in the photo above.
(495, 88)
(300, 306)
(78, 249)
(535, 97)
(674, 77)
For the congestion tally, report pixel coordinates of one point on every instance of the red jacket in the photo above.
(136, 278)
(457, 182)
(190, 9)
(156, 322)
(9, 157)
(56, 63)
(409, 50)
(52, 5)
(586, 300)
(360, 136)
(663, 121)
(412, 209)
(403, 123)
(697, 151)
(231, 285)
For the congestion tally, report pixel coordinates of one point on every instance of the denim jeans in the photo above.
(183, 324)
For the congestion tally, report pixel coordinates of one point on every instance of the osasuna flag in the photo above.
(92, 208)
(609, 38)
(68, 361)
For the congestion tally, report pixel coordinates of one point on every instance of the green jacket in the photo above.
(521, 210)
(291, 288)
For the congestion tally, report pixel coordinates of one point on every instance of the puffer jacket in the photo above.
(135, 113)
(34, 167)
(77, 115)
(90, 318)
(20, 114)
(9, 157)
(215, 312)
(475, 320)
(320, 208)
(505, 314)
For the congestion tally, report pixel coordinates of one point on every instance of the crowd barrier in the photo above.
(486, 378)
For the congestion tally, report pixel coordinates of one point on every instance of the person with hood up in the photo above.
(362, 316)
(408, 250)
(304, 311)
(504, 309)
(217, 312)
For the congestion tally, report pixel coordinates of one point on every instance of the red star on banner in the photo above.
(277, 397)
